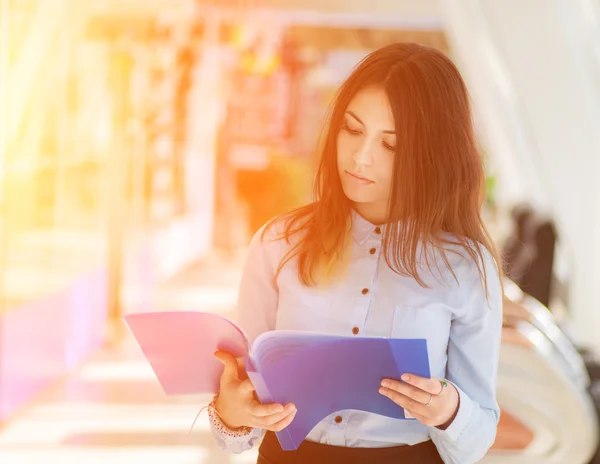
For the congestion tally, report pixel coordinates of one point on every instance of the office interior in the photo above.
(143, 142)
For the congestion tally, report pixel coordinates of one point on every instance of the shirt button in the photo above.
(355, 330)
(338, 419)
(377, 230)
(365, 291)
(372, 251)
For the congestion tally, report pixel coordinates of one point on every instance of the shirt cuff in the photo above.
(462, 419)
(239, 444)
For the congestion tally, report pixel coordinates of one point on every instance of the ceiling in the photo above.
(406, 8)
(408, 17)
(408, 14)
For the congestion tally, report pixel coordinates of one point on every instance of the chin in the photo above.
(358, 195)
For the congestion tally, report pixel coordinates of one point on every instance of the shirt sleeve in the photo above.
(473, 356)
(256, 313)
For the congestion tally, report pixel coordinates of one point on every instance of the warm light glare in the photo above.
(54, 431)
(110, 371)
(182, 414)
(113, 455)
(3, 89)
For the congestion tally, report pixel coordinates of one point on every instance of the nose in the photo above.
(363, 155)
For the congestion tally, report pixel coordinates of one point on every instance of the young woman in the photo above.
(392, 246)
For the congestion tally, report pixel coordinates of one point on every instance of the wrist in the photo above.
(224, 425)
(218, 408)
(447, 424)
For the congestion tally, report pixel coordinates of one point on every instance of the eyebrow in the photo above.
(359, 120)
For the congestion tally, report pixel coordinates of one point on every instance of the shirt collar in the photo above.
(362, 229)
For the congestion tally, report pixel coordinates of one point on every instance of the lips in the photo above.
(358, 177)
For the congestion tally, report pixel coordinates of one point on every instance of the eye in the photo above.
(351, 131)
(389, 147)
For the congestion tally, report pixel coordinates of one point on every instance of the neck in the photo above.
(376, 214)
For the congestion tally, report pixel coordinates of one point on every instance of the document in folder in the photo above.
(319, 373)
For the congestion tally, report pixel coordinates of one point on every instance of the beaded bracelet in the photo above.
(217, 422)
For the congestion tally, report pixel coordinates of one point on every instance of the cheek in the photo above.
(344, 150)
(386, 171)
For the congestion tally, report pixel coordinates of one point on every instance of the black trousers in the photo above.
(308, 452)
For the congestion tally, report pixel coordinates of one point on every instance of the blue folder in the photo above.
(319, 373)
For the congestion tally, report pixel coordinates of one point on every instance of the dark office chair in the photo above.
(519, 249)
(528, 253)
(540, 239)
(516, 253)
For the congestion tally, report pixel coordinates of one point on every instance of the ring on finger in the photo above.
(444, 385)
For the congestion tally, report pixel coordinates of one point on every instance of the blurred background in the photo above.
(143, 142)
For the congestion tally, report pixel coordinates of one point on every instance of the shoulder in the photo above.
(288, 227)
(278, 235)
(469, 263)
(478, 277)
(265, 240)
(465, 255)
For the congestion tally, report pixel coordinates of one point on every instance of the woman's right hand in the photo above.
(238, 406)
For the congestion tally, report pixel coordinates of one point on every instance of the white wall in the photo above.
(532, 74)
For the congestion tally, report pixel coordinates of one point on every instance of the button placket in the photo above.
(364, 279)
(374, 243)
(359, 317)
(366, 293)
(337, 429)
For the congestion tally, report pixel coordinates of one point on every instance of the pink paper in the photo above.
(180, 346)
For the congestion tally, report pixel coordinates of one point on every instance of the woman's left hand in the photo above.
(433, 402)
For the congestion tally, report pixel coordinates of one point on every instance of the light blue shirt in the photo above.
(462, 327)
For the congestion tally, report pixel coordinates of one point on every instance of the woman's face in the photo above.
(365, 153)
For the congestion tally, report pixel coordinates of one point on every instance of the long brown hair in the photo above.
(439, 181)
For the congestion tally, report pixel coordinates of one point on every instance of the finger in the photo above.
(432, 385)
(414, 406)
(230, 371)
(407, 390)
(242, 374)
(447, 388)
(430, 421)
(267, 421)
(282, 424)
(263, 410)
(246, 387)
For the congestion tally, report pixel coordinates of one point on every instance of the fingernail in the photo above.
(279, 408)
(385, 383)
(382, 391)
(405, 377)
